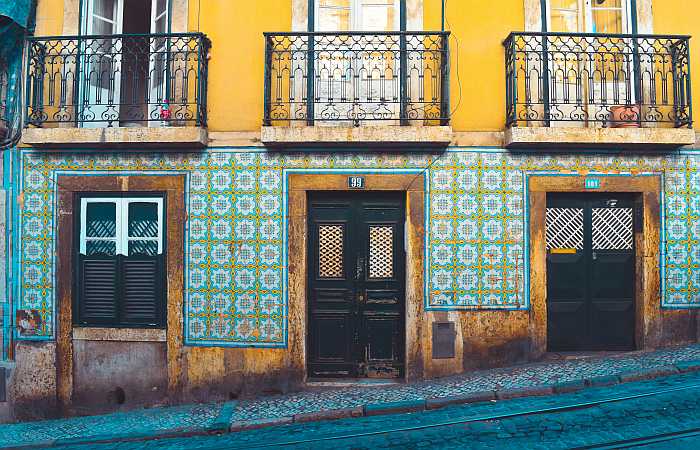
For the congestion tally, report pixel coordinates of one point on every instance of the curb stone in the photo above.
(648, 374)
(330, 414)
(474, 397)
(244, 425)
(688, 366)
(530, 391)
(603, 380)
(569, 386)
(376, 409)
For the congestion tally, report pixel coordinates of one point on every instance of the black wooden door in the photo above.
(356, 275)
(590, 271)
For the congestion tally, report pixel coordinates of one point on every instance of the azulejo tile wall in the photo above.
(235, 249)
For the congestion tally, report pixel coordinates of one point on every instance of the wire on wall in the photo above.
(456, 40)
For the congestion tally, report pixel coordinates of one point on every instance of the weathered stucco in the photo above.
(32, 384)
(562, 137)
(121, 137)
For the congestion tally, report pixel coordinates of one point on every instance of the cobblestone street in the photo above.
(278, 410)
(598, 416)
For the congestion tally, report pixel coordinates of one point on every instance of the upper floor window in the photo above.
(589, 16)
(357, 15)
(120, 275)
(104, 17)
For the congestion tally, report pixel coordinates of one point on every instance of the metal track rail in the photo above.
(646, 440)
(526, 412)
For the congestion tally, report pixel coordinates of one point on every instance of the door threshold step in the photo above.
(351, 382)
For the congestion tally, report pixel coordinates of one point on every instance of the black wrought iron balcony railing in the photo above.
(597, 80)
(118, 80)
(396, 78)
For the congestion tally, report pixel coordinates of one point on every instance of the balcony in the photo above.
(598, 90)
(351, 88)
(117, 89)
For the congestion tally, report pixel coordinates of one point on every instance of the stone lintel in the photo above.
(120, 137)
(119, 334)
(618, 138)
(397, 136)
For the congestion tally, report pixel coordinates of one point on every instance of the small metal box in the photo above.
(444, 336)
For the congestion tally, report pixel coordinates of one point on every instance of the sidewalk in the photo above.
(324, 403)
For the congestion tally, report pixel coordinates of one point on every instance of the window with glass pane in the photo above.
(334, 15)
(120, 261)
(564, 16)
(101, 229)
(607, 16)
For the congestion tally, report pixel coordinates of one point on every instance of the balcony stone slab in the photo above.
(116, 137)
(371, 136)
(598, 138)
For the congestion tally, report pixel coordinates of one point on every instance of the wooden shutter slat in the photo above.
(99, 289)
(140, 293)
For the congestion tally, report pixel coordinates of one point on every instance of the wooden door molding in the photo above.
(647, 254)
(413, 184)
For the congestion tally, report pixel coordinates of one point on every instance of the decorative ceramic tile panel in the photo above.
(235, 266)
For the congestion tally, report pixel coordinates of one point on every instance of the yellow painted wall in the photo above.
(49, 17)
(477, 77)
(682, 17)
(235, 28)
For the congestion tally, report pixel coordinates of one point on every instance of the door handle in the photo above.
(595, 256)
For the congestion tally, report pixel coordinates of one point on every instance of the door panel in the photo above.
(590, 271)
(356, 284)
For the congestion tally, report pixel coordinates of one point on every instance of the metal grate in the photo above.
(381, 251)
(612, 229)
(330, 251)
(564, 228)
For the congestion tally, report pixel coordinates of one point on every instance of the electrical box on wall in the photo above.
(444, 336)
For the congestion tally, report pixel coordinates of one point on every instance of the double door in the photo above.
(356, 279)
(588, 76)
(590, 271)
(124, 62)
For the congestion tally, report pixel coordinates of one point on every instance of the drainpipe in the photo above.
(442, 23)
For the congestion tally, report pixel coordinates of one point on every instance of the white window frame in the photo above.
(122, 237)
(356, 16)
(587, 15)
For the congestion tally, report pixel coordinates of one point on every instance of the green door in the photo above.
(356, 278)
(590, 271)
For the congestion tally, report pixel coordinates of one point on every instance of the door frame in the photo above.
(648, 254)
(413, 183)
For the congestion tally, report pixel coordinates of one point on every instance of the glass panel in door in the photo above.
(159, 66)
(588, 76)
(356, 75)
(101, 64)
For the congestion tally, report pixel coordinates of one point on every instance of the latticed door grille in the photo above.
(612, 228)
(564, 228)
(330, 251)
(381, 251)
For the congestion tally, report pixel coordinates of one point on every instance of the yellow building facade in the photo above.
(248, 197)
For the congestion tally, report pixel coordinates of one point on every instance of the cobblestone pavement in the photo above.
(197, 418)
(550, 372)
(665, 405)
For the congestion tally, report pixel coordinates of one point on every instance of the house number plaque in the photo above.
(356, 182)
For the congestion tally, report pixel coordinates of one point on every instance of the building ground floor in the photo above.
(146, 278)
